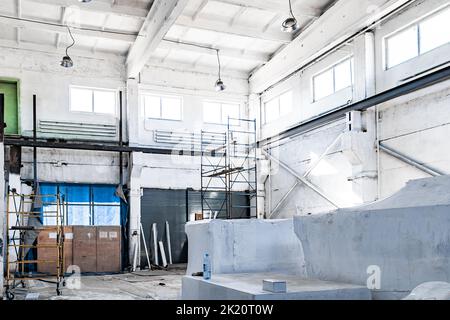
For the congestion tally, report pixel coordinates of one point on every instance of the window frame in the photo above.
(221, 103)
(94, 89)
(278, 98)
(332, 68)
(416, 23)
(161, 96)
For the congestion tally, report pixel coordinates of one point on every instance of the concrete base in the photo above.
(245, 246)
(403, 241)
(244, 286)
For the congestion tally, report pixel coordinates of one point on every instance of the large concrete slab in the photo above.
(249, 287)
(407, 236)
(243, 246)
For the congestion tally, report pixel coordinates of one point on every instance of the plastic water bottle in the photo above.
(206, 267)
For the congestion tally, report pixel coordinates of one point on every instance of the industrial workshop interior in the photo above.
(224, 150)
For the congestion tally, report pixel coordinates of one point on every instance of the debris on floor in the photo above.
(139, 285)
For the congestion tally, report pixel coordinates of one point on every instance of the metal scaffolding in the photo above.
(25, 215)
(229, 170)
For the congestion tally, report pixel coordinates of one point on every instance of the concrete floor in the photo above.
(249, 286)
(140, 285)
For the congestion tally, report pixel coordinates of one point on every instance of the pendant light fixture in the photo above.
(84, 1)
(291, 23)
(66, 61)
(220, 86)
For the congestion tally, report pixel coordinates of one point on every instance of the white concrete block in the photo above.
(393, 245)
(245, 286)
(237, 246)
(275, 286)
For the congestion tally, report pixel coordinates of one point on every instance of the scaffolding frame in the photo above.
(229, 168)
(23, 208)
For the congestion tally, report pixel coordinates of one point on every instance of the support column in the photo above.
(254, 108)
(359, 141)
(135, 206)
(133, 112)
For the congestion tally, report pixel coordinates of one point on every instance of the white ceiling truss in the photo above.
(247, 33)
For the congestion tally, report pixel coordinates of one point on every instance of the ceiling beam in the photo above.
(185, 67)
(61, 29)
(19, 15)
(159, 20)
(275, 6)
(50, 49)
(101, 6)
(215, 25)
(211, 50)
(200, 9)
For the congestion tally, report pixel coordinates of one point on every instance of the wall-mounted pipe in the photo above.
(299, 177)
(394, 153)
(35, 179)
(120, 139)
(385, 96)
(2, 117)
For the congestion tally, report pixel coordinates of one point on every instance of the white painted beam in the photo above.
(160, 19)
(215, 25)
(102, 6)
(275, 6)
(341, 21)
(225, 52)
(57, 28)
(50, 49)
(236, 17)
(200, 9)
(185, 67)
(19, 15)
(63, 22)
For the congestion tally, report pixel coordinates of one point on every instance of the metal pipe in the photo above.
(410, 161)
(120, 139)
(34, 140)
(2, 117)
(342, 43)
(385, 96)
(307, 173)
(299, 177)
(282, 200)
(323, 155)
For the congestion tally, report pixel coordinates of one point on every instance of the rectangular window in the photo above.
(95, 205)
(163, 107)
(278, 107)
(101, 101)
(218, 112)
(423, 36)
(334, 79)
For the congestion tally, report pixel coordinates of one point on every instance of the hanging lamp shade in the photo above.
(66, 62)
(291, 23)
(220, 86)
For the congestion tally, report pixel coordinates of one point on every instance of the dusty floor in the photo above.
(139, 285)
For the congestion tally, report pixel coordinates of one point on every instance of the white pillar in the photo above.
(133, 112)
(359, 142)
(135, 204)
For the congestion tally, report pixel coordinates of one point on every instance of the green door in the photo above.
(9, 89)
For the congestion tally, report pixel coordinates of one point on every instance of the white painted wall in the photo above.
(416, 124)
(39, 73)
(172, 171)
